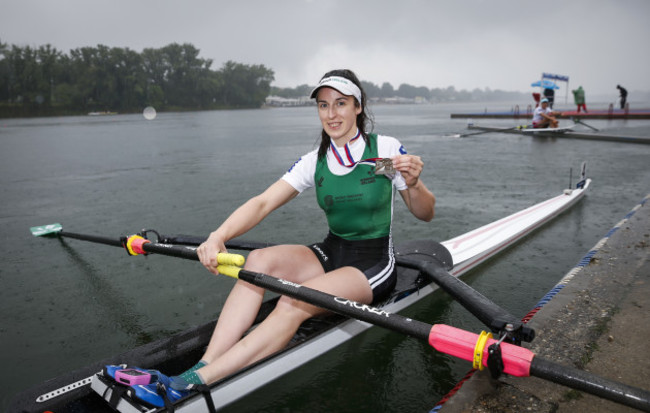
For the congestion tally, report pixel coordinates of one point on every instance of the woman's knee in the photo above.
(301, 266)
(295, 309)
(260, 260)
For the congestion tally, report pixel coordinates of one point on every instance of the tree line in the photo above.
(406, 91)
(41, 81)
(45, 81)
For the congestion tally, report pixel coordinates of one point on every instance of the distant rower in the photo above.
(544, 117)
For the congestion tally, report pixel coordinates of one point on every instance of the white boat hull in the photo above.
(473, 248)
(468, 251)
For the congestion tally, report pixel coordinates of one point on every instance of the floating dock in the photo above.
(528, 114)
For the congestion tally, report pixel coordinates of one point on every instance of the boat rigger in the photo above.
(179, 352)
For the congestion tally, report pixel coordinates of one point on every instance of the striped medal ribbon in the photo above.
(348, 155)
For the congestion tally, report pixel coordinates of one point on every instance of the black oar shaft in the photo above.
(477, 304)
(589, 126)
(92, 238)
(590, 383)
(338, 305)
(196, 241)
(363, 312)
(480, 306)
(187, 252)
(488, 131)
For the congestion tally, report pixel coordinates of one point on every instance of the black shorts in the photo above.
(373, 257)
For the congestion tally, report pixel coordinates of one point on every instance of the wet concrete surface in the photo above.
(599, 322)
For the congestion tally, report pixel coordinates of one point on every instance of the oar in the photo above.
(196, 241)
(499, 356)
(134, 244)
(489, 313)
(464, 135)
(481, 307)
(482, 350)
(578, 120)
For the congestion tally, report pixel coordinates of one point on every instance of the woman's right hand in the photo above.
(208, 251)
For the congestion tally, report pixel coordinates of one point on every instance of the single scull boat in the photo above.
(564, 132)
(85, 390)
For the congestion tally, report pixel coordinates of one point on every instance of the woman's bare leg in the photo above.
(281, 325)
(244, 300)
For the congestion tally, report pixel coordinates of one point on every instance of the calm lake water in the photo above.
(67, 303)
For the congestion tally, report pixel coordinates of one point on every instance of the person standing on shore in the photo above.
(579, 98)
(623, 95)
(355, 261)
(549, 94)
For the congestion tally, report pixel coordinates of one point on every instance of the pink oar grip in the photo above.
(460, 343)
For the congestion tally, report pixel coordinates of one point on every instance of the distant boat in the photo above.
(104, 113)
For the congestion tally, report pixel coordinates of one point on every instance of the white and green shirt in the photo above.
(358, 204)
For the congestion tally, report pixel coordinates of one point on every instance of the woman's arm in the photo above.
(419, 200)
(243, 219)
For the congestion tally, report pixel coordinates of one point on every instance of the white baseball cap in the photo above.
(343, 85)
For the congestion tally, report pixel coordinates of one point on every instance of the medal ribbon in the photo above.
(348, 154)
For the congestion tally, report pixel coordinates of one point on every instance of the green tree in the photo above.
(130, 79)
(4, 72)
(387, 90)
(371, 89)
(183, 71)
(44, 80)
(245, 86)
(48, 60)
(153, 61)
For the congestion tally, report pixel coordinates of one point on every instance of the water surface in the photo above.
(68, 303)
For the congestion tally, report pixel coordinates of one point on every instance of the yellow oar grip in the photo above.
(229, 270)
(478, 350)
(230, 259)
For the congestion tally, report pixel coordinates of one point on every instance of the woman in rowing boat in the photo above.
(355, 187)
(544, 117)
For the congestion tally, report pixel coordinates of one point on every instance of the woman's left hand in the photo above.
(410, 166)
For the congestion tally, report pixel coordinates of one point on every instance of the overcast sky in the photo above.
(500, 44)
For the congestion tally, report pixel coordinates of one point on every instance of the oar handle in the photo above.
(229, 270)
(224, 258)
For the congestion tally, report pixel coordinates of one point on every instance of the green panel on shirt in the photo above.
(358, 205)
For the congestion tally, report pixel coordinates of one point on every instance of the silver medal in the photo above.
(384, 166)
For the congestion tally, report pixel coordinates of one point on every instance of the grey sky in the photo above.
(500, 44)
